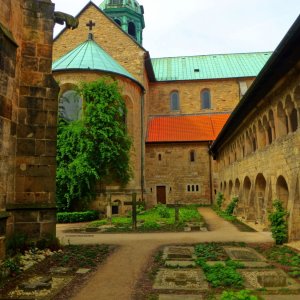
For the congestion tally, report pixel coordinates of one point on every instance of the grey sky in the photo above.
(191, 27)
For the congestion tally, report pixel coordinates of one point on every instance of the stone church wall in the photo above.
(28, 113)
(260, 163)
(225, 95)
(106, 34)
(169, 165)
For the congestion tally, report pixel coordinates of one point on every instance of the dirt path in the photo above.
(115, 280)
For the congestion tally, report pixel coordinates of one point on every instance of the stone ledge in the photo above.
(31, 206)
(4, 215)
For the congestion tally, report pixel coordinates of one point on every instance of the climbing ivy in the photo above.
(96, 147)
(279, 224)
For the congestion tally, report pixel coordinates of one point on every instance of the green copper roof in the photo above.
(132, 4)
(209, 66)
(90, 56)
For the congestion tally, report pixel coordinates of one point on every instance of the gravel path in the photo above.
(116, 278)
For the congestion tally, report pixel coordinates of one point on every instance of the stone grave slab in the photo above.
(271, 279)
(179, 297)
(182, 279)
(40, 287)
(60, 270)
(180, 263)
(243, 254)
(83, 271)
(179, 253)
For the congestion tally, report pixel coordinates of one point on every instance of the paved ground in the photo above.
(115, 280)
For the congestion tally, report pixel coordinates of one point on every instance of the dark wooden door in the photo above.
(161, 194)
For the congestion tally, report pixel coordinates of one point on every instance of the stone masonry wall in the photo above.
(268, 167)
(225, 95)
(169, 165)
(28, 116)
(107, 34)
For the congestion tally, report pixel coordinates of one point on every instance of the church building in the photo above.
(176, 105)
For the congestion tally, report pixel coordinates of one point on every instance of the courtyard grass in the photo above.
(159, 218)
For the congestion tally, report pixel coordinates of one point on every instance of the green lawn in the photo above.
(157, 218)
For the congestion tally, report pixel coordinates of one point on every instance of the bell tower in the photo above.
(128, 14)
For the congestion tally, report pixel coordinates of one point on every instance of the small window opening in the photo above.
(159, 156)
(193, 188)
(188, 188)
(192, 156)
(197, 188)
(118, 22)
(131, 29)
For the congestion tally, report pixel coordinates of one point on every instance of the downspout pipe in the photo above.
(142, 146)
(210, 173)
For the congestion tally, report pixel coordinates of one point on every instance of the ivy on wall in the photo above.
(94, 148)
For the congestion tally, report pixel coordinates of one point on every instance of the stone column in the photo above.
(33, 207)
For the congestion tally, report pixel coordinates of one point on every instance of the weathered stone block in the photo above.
(25, 216)
(28, 49)
(32, 229)
(25, 147)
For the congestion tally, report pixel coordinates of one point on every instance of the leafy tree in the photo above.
(96, 147)
(279, 224)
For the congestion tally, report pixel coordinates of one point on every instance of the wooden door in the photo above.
(161, 194)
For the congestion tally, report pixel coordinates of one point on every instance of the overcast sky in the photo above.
(192, 27)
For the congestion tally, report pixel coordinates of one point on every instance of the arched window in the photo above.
(192, 155)
(118, 22)
(205, 99)
(70, 106)
(131, 29)
(174, 99)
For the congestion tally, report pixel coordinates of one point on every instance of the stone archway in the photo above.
(246, 195)
(260, 190)
(295, 221)
(282, 191)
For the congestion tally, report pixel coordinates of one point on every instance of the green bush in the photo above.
(17, 243)
(48, 242)
(231, 206)
(220, 200)
(163, 211)
(240, 295)
(279, 225)
(222, 276)
(74, 217)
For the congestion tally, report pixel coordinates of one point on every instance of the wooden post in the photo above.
(134, 211)
(176, 213)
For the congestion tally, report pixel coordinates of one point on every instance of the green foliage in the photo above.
(163, 211)
(210, 251)
(73, 217)
(97, 223)
(240, 295)
(279, 225)
(189, 214)
(149, 225)
(93, 148)
(48, 242)
(220, 275)
(219, 200)
(17, 243)
(12, 265)
(286, 257)
(231, 206)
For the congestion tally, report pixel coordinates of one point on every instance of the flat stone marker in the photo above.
(271, 279)
(60, 270)
(243, 254)
(179, 253)
(82, 271)
(180, 297)
(37, 285)
(180, 263)
(183, 279)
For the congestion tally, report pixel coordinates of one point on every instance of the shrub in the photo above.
(222, 276)
(240, 295)
(48, 242)
(17, 243)
(163, 211)
(231, 206)
(219, 200)
(73, 217)
(279, 225)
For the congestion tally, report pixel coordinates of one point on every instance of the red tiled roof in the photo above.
(185, 128)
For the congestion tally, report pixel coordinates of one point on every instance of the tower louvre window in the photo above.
(131, 29)
(116, 2)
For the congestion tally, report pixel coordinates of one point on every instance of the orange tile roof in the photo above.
(185, 128)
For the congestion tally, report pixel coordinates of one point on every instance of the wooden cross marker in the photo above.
(176, 206)
(91, 24)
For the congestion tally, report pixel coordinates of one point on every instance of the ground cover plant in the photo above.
(160, 217)
(240, 295)
(210, 251)
(70, 256)
(288, 258)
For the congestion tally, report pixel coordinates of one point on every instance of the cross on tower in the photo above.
(91, 24)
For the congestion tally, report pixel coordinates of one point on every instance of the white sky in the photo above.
(191, 27)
